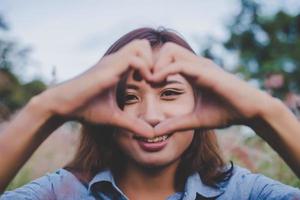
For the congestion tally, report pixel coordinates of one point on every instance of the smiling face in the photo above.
(154, 104)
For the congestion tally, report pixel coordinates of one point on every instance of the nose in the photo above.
(151, 112)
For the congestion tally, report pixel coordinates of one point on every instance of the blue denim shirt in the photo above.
(64, 185)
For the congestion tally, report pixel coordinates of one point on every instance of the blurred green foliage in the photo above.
(265, 45)
(13, 92)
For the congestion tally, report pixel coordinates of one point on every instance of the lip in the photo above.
(153, 147)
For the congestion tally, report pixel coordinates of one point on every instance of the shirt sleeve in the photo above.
(266, 188)
(41, 188)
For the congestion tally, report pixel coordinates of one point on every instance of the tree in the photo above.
(268, 49)
(13, 92)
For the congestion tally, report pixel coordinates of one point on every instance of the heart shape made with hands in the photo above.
(215, 108)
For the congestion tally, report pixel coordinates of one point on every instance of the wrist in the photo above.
(38, 105)
(41, 108)
(270, 110)
(273, 107)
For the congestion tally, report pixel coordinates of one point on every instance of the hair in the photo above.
(98, 151)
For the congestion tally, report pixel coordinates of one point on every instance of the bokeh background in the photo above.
(43, 43)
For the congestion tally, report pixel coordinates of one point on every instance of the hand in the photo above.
(224, 99)
(91, 96)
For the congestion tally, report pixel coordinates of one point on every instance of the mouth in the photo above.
(154, 139)
(154, 144)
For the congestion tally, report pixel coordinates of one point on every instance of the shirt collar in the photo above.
(193, 185)
(102, 177)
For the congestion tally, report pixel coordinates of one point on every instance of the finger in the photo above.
(145, 52)
(140, 64)
(180, 123)
(164, 58)
(133, 125)
(162, 74)
(138, 54)
(183, 68)
(170, 53)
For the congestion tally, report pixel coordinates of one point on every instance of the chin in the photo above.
(156, 163)
(155, 160)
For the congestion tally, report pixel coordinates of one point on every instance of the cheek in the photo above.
(183, 139)
(123, 139)
(132, 110)
(180, 106)
(125, 142)
(178, 144)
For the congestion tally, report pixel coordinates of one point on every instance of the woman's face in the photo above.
(154, 104)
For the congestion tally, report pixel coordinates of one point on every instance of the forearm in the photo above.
(281, 130)
(23, 135)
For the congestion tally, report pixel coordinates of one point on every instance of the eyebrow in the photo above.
(155, 85)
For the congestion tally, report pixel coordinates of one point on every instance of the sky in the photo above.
(72, 35)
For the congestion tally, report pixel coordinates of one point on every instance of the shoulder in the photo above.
(257, 186)
(60, 183)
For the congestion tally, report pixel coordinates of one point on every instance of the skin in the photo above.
(146, 171)
(154, 104)
(227, 101)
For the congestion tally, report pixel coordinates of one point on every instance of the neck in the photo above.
(154, 183)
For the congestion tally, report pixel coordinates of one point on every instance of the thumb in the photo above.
(180, 123)
(134, 125)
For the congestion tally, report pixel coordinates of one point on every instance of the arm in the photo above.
(89, 97)
(226, 100)
(23, 135)
(277, 125)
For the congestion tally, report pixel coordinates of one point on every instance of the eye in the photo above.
(130, 99)
(171, 94)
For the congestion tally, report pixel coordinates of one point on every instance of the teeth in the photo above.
(155, 139)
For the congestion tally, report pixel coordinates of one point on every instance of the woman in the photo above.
(148, 108)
